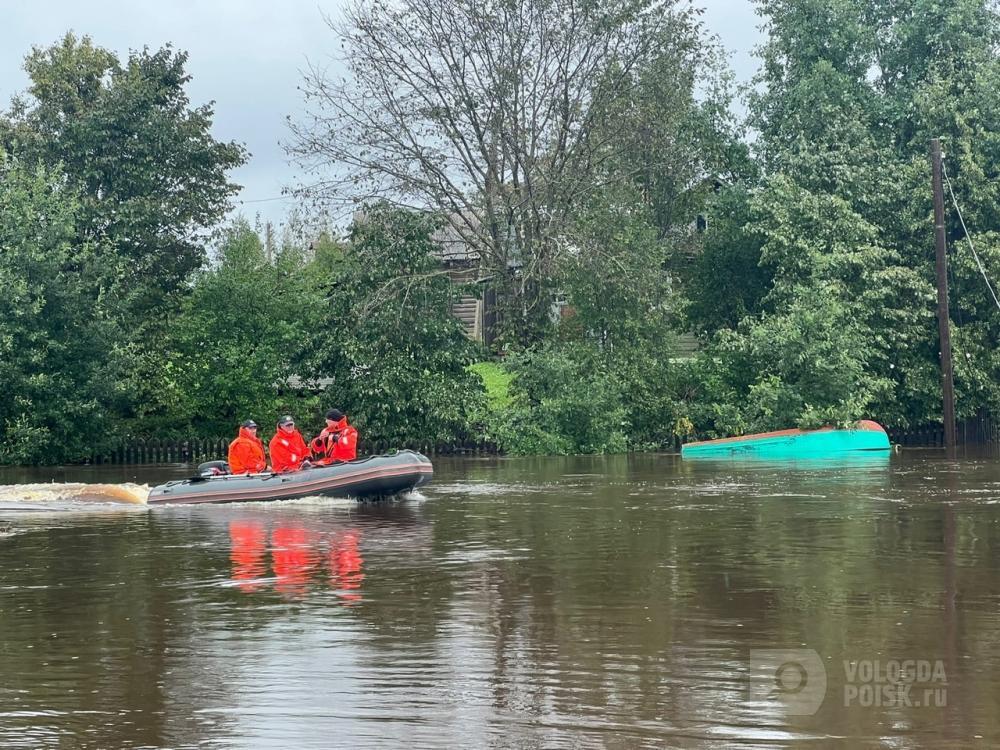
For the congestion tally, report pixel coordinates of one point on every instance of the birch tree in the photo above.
(503, 116)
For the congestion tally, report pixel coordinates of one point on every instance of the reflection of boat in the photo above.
(247, 553)
(293, 559)
(296, 552)
(866, 437)
(375, 476)
(345, 566)
(845, 466)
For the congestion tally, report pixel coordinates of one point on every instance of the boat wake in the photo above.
(309, 501)
(53, 496)
(322, 502)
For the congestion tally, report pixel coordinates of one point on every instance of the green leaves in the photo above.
(823, 272)
(53, 330)
(113, 181)
(562, 401)
(149, 175)
(237, 342)
(396, 355)
(726, 281)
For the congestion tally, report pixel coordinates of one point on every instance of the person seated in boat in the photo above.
(337, 442)
(246, 452)
(288, 449)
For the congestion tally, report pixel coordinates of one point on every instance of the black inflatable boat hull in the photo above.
(375, 476)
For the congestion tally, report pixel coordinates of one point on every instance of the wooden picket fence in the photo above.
(463, 448)
(157, 451)
(197, 450)
(980, 429)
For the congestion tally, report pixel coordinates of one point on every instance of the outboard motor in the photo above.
(213, 468)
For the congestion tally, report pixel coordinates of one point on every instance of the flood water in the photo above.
(622, 602)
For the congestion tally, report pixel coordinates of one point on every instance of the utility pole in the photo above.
(947, 379)
(269, 241)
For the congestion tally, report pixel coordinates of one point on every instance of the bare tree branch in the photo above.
(502, 115)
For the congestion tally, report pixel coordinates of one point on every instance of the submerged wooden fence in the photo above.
(197, 450)
(981, 429)
(157, 451)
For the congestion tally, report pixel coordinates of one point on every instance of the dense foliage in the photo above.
(386, 336)
(53, 328)
(232, 348)
(618, 212)
(149, 176)
(128, 183)
(838, 233)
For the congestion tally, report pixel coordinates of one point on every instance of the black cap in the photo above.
(249, 423)
(287, 419)
(335, 414)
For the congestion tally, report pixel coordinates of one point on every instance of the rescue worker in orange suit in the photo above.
(288, 449)
(246, 452)
(337, 442)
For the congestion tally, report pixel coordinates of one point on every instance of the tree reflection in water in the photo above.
(296, 553)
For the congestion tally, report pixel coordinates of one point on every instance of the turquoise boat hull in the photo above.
(866, 437)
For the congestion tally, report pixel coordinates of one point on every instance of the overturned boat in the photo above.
(865, 437)
(365, 478)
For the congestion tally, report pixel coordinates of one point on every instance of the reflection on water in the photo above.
(345, 563)
(631, 601)
(296, 553)
(293, 559)
(844, 462)
(249, 554)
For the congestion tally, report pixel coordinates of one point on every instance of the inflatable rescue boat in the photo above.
(365, 478)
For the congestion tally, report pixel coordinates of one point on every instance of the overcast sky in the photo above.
(247, 55)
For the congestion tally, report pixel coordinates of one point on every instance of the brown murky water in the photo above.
(583, 602)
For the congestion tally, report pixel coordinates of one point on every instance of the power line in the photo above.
(975, 255)
(265, 200)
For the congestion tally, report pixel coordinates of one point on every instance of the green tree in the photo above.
(850, 93)
(505, 118)
(726, 281)
(54, 331)
(150, 177)
(397, 356)
(564, 401)
(149, 182)
(235, 343)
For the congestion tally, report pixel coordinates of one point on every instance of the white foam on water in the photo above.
(71, 496)
(309, 501)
